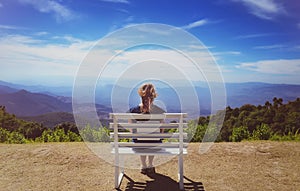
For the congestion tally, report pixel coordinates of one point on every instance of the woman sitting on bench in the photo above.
(148, 94)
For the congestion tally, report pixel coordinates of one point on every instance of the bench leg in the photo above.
(180, 171)
(119, 170)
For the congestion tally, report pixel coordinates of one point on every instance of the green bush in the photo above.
(4, 135)
(195, 132)
(275, 137)
(239, 134)
(262, 132)
(289, 137)
(58, 135)
(73, 137)
(11, 137)
(16, 138)
(100, 134)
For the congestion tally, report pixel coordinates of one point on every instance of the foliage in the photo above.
(262, 132)
(289, 137)
(272, 121)
(11, 137)
(100, 134)
(29, 130)
(195, 133)
(239, 134)
(4, 135)
(58, 135)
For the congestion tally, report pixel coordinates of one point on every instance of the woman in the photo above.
(148, 94)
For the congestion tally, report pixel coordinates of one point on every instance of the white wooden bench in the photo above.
(172, 144)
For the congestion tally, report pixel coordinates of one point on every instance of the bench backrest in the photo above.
(121, 126)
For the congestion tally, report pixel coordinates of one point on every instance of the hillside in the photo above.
(247, 166)
(24, 103)
(7, 89)
(51, 119)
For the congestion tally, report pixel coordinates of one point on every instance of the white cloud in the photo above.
(60, 12)
(42, 33)
(253, 36)
(18, 40)
(116, 1)
(227, 53)
(162, 64)
(142, 28)
(10, 27)
(267, 47)
(291, 67)
(1, 5)
(198, 47)
(264, 9)
(196, 24)
(27, 57)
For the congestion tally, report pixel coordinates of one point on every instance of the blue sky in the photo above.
(45, 41)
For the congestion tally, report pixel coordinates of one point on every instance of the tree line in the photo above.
(14, 130)
(272, 121)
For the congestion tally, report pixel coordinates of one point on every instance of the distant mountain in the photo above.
(46, 109)
(24, 103)
(52, 91)
(239, 94)
(6, 89)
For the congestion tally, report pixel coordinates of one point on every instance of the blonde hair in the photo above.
(148, 94)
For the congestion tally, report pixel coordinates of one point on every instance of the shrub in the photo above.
(289, 137)
(239, 134)
(275, 137)
(16, 138)
(262, 132)
(11, 137)
(100, 134)
(195, 132)
(4, 135)
(58, 135)
(74, 137)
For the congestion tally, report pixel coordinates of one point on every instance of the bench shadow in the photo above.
(162, 182)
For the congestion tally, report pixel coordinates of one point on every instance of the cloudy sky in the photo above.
(45, 41)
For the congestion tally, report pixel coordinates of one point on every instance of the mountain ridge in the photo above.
(23, 102)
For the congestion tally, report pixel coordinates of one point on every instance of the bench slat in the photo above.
(148, 135)
(147, 145)
(166, 151)
(148, 125)
(147, 116)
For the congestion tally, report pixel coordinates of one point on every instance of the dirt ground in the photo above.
(226, 166)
